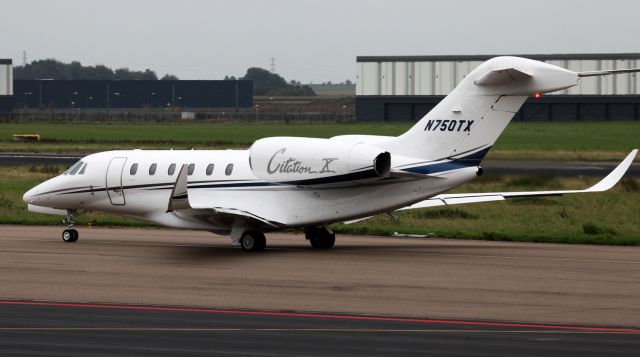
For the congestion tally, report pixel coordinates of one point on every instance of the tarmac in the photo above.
(98, 330)
(191, 293)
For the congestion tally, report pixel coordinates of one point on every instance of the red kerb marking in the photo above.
(324, 316)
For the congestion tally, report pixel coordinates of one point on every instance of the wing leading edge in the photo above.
(181, 201)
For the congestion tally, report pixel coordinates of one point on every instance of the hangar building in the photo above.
(401, 88)
(6, 87)
(42, 93)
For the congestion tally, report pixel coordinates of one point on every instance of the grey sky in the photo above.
(310, 40)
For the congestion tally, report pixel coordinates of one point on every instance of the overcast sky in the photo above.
(311, 40)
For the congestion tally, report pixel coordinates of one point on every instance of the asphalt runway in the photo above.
(487, 285)
(86, 330)
(516, 168)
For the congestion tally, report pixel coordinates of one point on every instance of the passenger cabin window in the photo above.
(152, 169)
(209, 169)
(73, 169)
(228, 170)
(82, 169)
(190, 169)
(172, 169)
(133, 169)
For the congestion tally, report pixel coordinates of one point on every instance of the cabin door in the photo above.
(114, 180)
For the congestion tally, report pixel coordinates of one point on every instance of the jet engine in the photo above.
(310, 161)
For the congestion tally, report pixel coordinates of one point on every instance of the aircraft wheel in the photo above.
(320, 238)
(70, 235)
(253, 241)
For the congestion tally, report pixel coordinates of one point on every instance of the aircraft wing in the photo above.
(458, 198)
(180, 201)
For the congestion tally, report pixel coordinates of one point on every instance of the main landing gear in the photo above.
(253, 241)
(320, 237)
(69, 235)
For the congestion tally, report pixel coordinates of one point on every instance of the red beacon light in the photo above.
(537, 95)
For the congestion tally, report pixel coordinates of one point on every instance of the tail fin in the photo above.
(467, 122)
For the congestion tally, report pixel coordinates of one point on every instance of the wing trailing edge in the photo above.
(458, 198)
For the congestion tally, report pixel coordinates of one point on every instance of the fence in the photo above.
(145, 115)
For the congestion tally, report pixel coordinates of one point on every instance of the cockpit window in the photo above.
(73, 169)
(82, 169)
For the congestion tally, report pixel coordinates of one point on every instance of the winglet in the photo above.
(612, 178)
(179, 198)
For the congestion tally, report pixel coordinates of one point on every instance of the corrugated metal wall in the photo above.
(6, 79)
(440, 77)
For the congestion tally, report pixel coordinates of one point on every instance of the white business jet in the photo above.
(284, 183)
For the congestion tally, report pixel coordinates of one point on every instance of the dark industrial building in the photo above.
(401, 88)
(132, 94)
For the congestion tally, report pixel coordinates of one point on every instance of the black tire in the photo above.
(253, 241)
(320, 238)
(70, 235)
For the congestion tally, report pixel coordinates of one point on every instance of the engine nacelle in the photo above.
(310, 161)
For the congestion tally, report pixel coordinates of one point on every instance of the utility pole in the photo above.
(24, 58)
(273, 65)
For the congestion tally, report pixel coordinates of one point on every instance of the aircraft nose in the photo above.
(29, 195)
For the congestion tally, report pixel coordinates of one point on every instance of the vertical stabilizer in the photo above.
(467, 122)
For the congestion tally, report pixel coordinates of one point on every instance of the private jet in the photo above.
(286, 183)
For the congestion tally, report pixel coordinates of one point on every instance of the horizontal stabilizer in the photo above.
(502, 76)
(607, 72)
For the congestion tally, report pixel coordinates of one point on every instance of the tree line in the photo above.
(265, 83)
(54, 69)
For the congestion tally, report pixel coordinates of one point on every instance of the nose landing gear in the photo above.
(69, 235)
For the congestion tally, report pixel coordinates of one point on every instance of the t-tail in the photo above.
(467, 122)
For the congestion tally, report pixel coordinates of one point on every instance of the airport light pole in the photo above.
(73, 99)
(257, 112)
(26, 99)
(117, 94)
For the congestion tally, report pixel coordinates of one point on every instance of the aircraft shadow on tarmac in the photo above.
(408, 246)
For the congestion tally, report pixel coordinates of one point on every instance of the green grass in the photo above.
(612, 217)
(521, 141)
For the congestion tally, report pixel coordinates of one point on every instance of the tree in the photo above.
(148, 75)
(169, 77)
(348, 82)
(267, 83)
